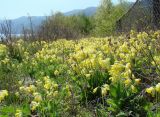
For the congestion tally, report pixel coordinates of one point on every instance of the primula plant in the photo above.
(112, 76)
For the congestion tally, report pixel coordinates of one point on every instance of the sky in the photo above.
(12, 9)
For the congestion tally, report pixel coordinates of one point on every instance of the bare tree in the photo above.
(31, 27)
(6, 30)
(24, 33)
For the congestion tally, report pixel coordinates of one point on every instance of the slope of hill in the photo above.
(18, 23)
(88, 11)
(24, 21)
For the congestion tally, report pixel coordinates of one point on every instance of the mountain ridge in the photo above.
(23, 21)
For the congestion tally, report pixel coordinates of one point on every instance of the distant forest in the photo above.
(98, 22)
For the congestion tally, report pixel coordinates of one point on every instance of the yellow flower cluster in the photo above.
(18, 113)
(3, 94)
(51, 88)
(37, 97)
(137, 81)
(152, 90)
(89, 62)
(158, 87)
(68, 90)
(5, 61)
(90, 54)
(56, 72)
(105, 89)
(44, 90)
(116, 71)
(3, 49)
(156, 61)
(28, 89)
(34, 105)
(50, 85)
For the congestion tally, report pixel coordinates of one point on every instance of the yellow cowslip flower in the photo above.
(104, 89)
(105, 64)
(95, 90)
(5, 61)
(68, 90)
(133, 77)
(139, 36)
(3, 49)
(47, 85)
(18, 113)
(22, 88)
(124, 47)
(69, 93)
(145, 35)
(55, 86)
(151, 91)
(127, 74)
(46, 79)
(116, 71)
(34, 105)
(88, 76)
(158, 87)
(49, 95)
(128, 66)
(37, 97)
(3, 94)
(138, 81)
(56, 72)
(55, 93)
(68, 87)
(48, 82)
(91, 71)
(39, 82)
(31, 89)
(127, 82)
(133, 88)
(133, 52)
(122, 56)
